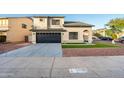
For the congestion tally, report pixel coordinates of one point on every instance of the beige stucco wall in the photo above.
(16, 33)
(40, 24)
(34, 37)
(65, 35)
(46, 23)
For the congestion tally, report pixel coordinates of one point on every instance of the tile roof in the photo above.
(76, 24)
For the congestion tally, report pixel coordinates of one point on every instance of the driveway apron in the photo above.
(36, 50)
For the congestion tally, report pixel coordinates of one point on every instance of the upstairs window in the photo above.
(55, 22)
(24, 26)
(41, 19)
(3, 22)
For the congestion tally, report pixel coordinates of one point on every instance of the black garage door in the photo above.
(48, 37)
(2, 39)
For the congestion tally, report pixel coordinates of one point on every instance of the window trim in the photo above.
(54, 21)
(24, 26)
(73, 38)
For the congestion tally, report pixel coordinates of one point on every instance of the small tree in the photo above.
(114, 37)
(108, 32)
(116, 26)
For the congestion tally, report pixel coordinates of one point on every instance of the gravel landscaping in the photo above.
(74, 52)
(11, 46)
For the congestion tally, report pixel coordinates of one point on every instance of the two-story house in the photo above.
(14, 29)
(47, 29)
(53, 29)
(3, 29)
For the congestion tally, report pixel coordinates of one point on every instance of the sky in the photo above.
(99, 20)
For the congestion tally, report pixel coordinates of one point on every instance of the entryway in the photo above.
(85, 35)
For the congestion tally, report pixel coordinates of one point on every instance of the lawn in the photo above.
(96, 45)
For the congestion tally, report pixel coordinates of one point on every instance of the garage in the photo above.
(48, 37)
(2, 39)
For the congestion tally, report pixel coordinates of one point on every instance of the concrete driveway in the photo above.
(36, 50)
(62, 67)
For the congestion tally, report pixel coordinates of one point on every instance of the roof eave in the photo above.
(34, 30)
(4, 30)
(48, 16)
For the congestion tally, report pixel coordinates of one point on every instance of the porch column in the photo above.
(34, 37)
(90, 37)
(80, 36)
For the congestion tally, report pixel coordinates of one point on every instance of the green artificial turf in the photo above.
(96, 45)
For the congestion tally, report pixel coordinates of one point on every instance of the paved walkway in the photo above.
(36, 50)
(62, 67)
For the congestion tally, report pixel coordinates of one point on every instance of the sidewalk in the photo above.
(62, 67)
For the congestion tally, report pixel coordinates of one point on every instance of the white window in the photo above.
(73, 35)
(4, 22)
(55, 22)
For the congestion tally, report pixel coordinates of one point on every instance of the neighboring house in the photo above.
(53, 29)
(121, 34)
(101, 31)
(14, 29)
